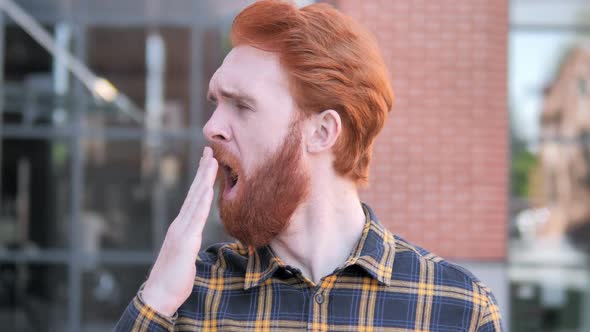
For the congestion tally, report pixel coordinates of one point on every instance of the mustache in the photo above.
(223, 154)
(226, 158)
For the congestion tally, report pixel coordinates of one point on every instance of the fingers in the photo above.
(209, 172)
(204, 179)
(201, 203)
(206, 182)
(189, 196)
(202, 164)
(197, 223)
(207, 177)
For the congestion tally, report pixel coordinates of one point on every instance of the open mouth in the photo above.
(231, 181)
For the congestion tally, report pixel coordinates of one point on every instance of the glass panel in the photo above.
(33, 297)
(37, 87)
(35, 209)
(133, 191)
(549, 248)
(151, 67)
(107, 290)
(116, 211)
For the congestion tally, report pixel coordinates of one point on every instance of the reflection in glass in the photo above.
(151, 67)
(549, 251)
(33, 297)
(74, 162)
(132, 193)
(106, 292)
(35, 194)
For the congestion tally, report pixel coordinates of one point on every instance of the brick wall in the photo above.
(440, 169)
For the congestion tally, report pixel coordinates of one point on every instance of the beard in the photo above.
(264, 202)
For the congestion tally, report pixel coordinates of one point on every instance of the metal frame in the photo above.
(109, 133)
(2, 41)
(63, 256)
(556, 28)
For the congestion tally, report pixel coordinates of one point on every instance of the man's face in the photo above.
(254, 107)
(256, 137)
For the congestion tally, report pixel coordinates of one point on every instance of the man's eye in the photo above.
(242, 107)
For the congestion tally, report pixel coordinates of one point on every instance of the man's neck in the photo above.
(323, 231)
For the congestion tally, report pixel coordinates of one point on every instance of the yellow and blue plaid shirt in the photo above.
(387, 284)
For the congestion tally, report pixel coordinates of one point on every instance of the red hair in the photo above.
(332, 63)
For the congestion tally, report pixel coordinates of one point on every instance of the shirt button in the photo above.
(319, 298)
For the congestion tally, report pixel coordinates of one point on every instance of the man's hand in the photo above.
(171, 280)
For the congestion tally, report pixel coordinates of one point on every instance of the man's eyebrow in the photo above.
(233, 95)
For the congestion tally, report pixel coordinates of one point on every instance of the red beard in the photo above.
(265, 201)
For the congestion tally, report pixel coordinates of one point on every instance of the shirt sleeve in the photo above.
(139, 317)
(491, 320)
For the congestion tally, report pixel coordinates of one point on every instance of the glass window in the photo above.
(33, 297)
(549, 248)
(35, 193)
(99, 142)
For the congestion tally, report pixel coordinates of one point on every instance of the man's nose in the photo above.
(216, 129)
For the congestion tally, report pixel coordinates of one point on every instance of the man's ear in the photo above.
(325, 128)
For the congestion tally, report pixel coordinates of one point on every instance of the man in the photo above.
(299, 101)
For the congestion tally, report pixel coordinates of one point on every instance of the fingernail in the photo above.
(207, 152)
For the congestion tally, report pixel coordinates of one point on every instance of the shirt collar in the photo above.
(374, 252)
(262, 263)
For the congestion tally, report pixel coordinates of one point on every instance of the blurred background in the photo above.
(485, 159)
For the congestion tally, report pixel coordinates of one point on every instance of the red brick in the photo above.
(439, 172)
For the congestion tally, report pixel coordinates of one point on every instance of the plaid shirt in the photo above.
(387, 284)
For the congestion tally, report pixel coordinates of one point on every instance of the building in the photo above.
(565, 147)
